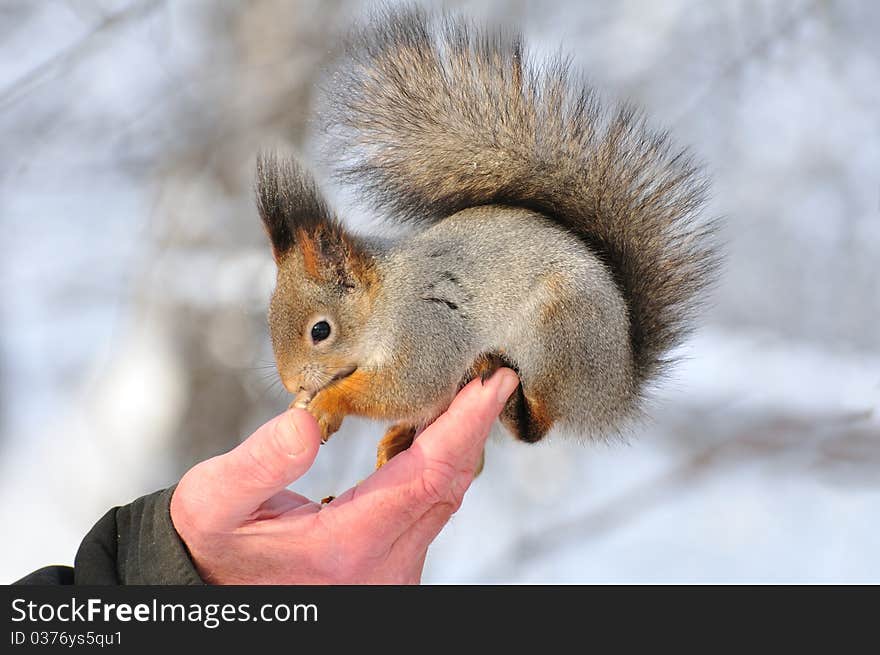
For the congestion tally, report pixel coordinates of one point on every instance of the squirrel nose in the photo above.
(293, 384)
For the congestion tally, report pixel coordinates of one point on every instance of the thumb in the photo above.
(225, 490)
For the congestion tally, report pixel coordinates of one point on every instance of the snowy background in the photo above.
(135, 277)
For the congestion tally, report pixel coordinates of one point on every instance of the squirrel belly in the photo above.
(508, 284)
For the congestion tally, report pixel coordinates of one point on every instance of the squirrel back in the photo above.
(435, 116)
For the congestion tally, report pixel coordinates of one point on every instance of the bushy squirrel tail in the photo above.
(430, 115)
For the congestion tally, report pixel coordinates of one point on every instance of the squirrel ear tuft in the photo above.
(331, 255)
(288, 201)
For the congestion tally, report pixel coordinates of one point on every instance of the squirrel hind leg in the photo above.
(397, 438)
(484, 366)
(524, 416)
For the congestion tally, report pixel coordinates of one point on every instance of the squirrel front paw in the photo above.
(329, 422)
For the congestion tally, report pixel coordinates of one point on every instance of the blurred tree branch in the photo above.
(839, 446)
(68, 57)
(785, 29)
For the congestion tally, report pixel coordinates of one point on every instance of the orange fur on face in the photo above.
(308, 248)
(329, 252)
(325, 272)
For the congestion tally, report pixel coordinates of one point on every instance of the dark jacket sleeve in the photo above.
(132, 544)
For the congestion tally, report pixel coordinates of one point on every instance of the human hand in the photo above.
(242, 526)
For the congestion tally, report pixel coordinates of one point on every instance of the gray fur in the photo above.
(434, 116)
(498, 270)
(548, 230)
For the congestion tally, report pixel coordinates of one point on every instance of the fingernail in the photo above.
(506, 383)
(293, 439)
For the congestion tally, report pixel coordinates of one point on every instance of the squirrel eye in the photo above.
(320, 331)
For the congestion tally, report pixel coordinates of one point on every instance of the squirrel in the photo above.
(547, 234)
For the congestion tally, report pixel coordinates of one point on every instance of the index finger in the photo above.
(436, 470)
